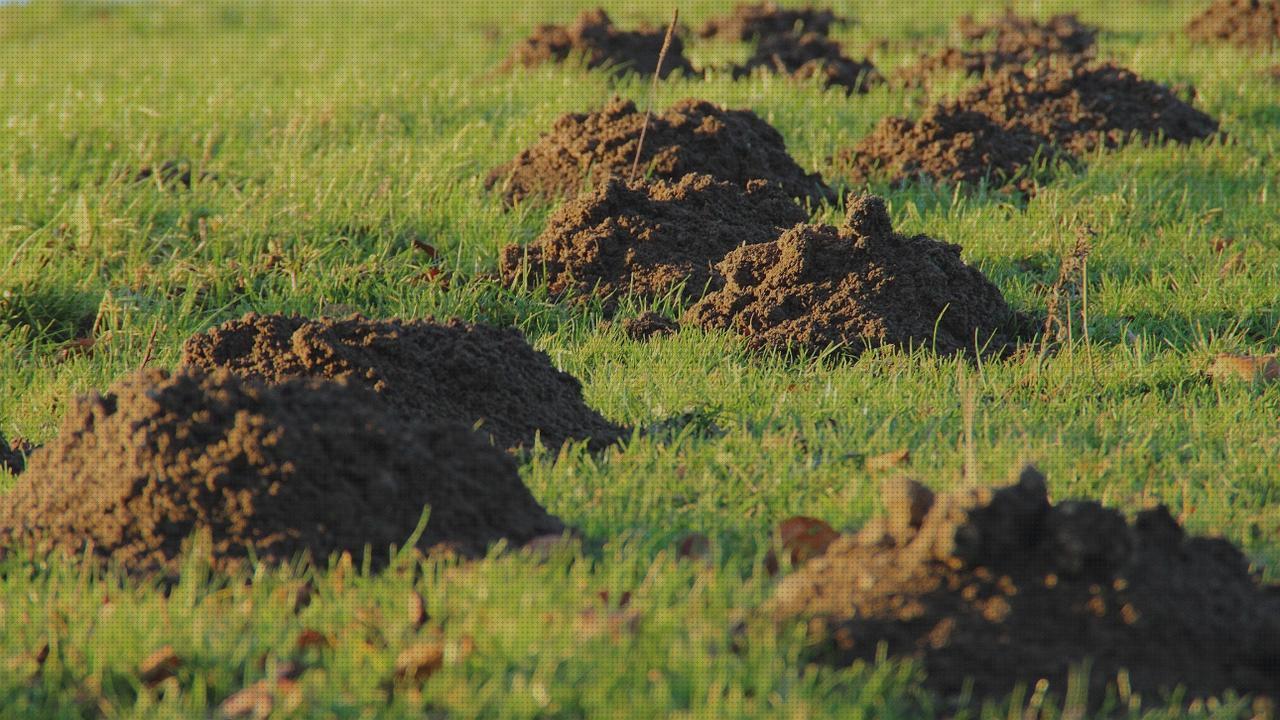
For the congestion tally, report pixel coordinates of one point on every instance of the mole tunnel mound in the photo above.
(1002, 587)
(594, 40)
(424, 370)
(306, 466)
(1243, 23)
(647, 238)
(764, 20)
(693, 136)
(858, 286)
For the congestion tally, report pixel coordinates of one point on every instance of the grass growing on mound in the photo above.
(324, 139)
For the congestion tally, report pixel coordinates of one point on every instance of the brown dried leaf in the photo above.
(1245, 367)
(419, 661)
(889, 460)
(425, 248)
(159, 666)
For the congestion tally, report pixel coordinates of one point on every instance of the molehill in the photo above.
(766, 19)
(1243, 23)
(598, 43)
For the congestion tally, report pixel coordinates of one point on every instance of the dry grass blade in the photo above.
(653, 89)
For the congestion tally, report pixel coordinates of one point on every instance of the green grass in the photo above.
(339, 132)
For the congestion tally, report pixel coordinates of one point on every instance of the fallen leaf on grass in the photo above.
(159, 666)
(805, 537)
(419, 661)
(1245, 367)
(889, 460)
(260, 699)
(425, 248)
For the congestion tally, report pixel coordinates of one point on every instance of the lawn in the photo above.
(326, 137)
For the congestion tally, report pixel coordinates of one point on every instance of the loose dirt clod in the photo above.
(303, 466)
(998, 128)
(14, 457)
(858, 286)
(595, 40)
(808, 56)
(1244, 23)
(693, 136)
(1004, 587)
(426, 371)
(648, 326)
(1008, 40)
(646, 238)
(766, 19)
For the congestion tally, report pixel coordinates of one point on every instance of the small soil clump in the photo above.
(307, 466)
(1002, 587)
(1243, 23)
(648, 326)
(1008, 40)
(425, 370)
(646, 238)
(13, 457)
(809, 56)
(595, 40)
(693, 136)
(765, 20)
(858, 286)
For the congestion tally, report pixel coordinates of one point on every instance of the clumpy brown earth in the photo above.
(996, 128)
(306, 466)
(13, 457)
(693, 136)
(595, 40)
(1004, 587)
(858, 286)
(1008, 40)
(809, 56)
(1244, 23)
(763, 20)
(647, 238)
(647, 326)
(424, 370)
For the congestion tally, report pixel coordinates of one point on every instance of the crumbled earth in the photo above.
(766, 19)
(647, 326)
(693, 136)
(809, 56)
(1008, 40)
(1244, 23)
(13, 457)
(426, 371)
(858, 286)
(595, 40)
(306, 466)
(948, 144)
(647, 238)
(1003, 587)
(995, 129)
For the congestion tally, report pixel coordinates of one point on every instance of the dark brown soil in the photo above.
(858, 286)
(692, 136)
(809, 56)
(1003, 587)
(648, 326)
(646, 238)
(1244, 23)
(306, 466)
(948, 144)
(1007, 40)
(13, 457)
(995, 129)
(766, 19)
(426, 371)
(595, 40)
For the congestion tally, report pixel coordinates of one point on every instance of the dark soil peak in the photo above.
(598, 43)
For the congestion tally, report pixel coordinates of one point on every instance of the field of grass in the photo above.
(336, 133)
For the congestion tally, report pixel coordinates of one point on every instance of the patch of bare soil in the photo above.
(646, 238)
(693, 136)
(306, 466)
(1244, 23)
(809, 56)
(1001, 587)
(858, 286)
(649, 325)
(1007, 40)
(598, 43)
(425, 371)
(763, 20)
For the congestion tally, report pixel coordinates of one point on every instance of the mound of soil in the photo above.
(693, 136)
(808, 56)
(1004, 587)
(1008, 40)
(595, 40)
(766, 19)
(948, 144)
(1080, 108)
(305, 466)
(13, 458)
(424, 370)
(646, 238)
(648, 326)
(858, 286)
(1244, 23)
